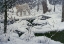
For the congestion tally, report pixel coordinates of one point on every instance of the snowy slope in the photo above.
(51, 24)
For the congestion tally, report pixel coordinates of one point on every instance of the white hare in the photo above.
(23, 8)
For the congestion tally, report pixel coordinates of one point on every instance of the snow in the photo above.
(53, 23)
(21, 26)
(39, 21)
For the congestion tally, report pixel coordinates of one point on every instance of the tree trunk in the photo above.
(54, 8)
(5, 18)
(44, 5)
(62, 10)
(37, 7)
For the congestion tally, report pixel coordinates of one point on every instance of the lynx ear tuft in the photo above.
(17, 6)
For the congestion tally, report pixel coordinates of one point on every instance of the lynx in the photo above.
(23, 8)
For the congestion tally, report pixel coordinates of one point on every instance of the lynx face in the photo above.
(23, 8)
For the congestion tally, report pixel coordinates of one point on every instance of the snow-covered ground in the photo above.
(51, 24)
